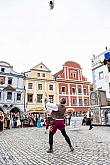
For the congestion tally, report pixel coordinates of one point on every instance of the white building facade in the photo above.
(11, 89)
(101, 90)
(101, 74)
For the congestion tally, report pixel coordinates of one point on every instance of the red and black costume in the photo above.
(58, 123)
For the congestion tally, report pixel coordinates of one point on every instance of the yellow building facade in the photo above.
(40, 85)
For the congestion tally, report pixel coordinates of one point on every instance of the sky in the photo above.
(74, 30)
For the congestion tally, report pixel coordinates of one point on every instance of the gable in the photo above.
(72, 64)
(59, 74)
(41, 67)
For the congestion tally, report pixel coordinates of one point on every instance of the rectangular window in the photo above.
(29, 85)
(79, 90)
(39, 98)
(101, 75)
(30, 97)
(73, 91)
(9, 80)
(51, 87)
(39, 86)
(0, 95)
(73, 73)
(2, 69)
(63, 90)
(2, 80)
(94, 98)
(38, 74)
(9, 95)
(85, 91)
(18, 96)
(51, 98)
(109, 87)
(86, 101)
(74, 101)
(80, 102)
(43, 75)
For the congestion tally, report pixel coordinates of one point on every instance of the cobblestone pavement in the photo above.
(28, 146)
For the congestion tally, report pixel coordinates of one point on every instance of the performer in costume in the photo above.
(58, 123)
(49, 108)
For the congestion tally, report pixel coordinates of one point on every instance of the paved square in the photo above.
(28, 146)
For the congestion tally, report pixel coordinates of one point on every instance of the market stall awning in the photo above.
(70, 110)
(34, 110)
(81, 109)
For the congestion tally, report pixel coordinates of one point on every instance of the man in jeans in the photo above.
(58, 123)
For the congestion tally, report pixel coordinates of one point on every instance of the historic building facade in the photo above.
(39, 87)
(29, 91)
(74, 87)
(11, 89)
(101, 89)
(101, 74)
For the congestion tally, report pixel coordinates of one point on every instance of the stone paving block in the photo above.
(28, 146)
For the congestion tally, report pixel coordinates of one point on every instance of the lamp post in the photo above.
(24, 99)
(24, 92)
(44, 100)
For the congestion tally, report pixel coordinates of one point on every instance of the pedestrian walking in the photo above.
(58, 123)
(90, 119)
(84, 120)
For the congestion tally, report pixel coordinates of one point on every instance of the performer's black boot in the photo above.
(50, 151)
(72, 149)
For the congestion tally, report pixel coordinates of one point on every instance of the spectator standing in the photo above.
(90, 119)
(84, 120)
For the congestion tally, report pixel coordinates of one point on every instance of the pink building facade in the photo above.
(74, 87)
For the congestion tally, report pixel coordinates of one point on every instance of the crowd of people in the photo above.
(17, 120)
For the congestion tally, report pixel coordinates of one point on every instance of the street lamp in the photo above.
(44, 100)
